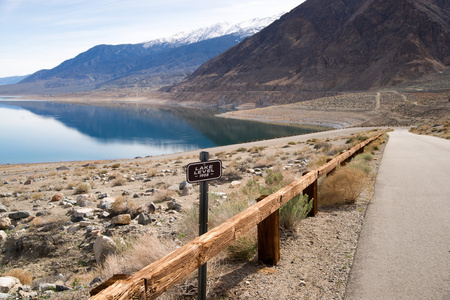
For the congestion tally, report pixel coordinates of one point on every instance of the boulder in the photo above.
(103, 246)
(124, 219)
(57, 197)
(17, 215)
(3, 208)
(82, 212)
(144, 218)
(151, 208)
(235, 184)
(187, 190)
(103, 195)
(7, 283)
(5, 195)
(106, 203)
(174, 205)
(5, 222)
(86, 200)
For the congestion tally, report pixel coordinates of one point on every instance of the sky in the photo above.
(41, 34)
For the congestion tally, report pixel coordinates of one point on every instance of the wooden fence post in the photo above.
(311, 192)
(269, 238)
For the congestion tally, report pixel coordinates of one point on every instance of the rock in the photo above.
(235, 184)
(4, 296)
(106, 203)
(84, 223)
(182, 185)
(27, 182)
(7, 283)
(82, 212)
(136, 196)
(144, 218)
(151, 208)
(124, 219)
(173, 187)
(5, 195)
(103, 214)
(62, 168)
(42, 213)
(188, 189)
(95, 280)
(62, 288)
(86, 200)
(103, 246)
(3, 208)
(57, 197)
(3, 236)
(17, 215)
(47, 287)
(104, 195)
(174, 205)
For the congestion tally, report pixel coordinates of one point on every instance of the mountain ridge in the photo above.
(149, 64)
(326, 47)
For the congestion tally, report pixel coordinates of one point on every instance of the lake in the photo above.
(47, 131)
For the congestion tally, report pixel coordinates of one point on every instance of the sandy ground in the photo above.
(68, 254)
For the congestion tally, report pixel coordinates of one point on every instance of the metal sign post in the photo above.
(203, 172)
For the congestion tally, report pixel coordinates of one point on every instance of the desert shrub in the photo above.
(115, 166)
(122, 205)
(364, 156)
(230, 174)
(135, 254)
(164, 195)
(360, 165)
(244, 248)
(82, 188)
(24, 276)
(342, 187)
(242, 149)
(322, 145)
(119, 181)
(294, 211)
(361, 138)
(318, 161)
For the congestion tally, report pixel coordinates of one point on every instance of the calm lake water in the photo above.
(44, 131)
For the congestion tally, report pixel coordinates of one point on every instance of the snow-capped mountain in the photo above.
(243, 29)
(150, 64)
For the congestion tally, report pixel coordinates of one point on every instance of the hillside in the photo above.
(322, 47)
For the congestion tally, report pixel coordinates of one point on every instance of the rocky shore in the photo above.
(60, 220)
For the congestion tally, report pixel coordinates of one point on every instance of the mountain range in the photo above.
(150, 64)
(327, 46)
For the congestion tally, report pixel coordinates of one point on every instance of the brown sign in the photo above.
(204, 171)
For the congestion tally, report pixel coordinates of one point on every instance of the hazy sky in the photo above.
(40, 34)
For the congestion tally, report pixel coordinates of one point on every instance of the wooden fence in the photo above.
(156, 278)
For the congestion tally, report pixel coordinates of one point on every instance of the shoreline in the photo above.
(26, 168)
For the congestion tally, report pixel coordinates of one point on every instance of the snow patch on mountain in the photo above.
(242, 29)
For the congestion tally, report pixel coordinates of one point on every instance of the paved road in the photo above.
(404, 247)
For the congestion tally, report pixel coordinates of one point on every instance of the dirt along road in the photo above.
(404, 247)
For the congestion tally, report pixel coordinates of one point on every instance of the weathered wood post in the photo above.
(269, 238)
(311, 192)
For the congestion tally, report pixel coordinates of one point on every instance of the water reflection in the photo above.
(36, 131)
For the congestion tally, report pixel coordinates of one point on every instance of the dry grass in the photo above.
(140, 253)
(122, 205)
(244, 248)
(343, 186)
(24, 276)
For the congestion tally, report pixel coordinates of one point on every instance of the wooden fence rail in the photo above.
(156, 278)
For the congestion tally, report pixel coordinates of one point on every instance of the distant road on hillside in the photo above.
(404, 248)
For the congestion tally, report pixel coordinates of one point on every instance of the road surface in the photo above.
(404, 247)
